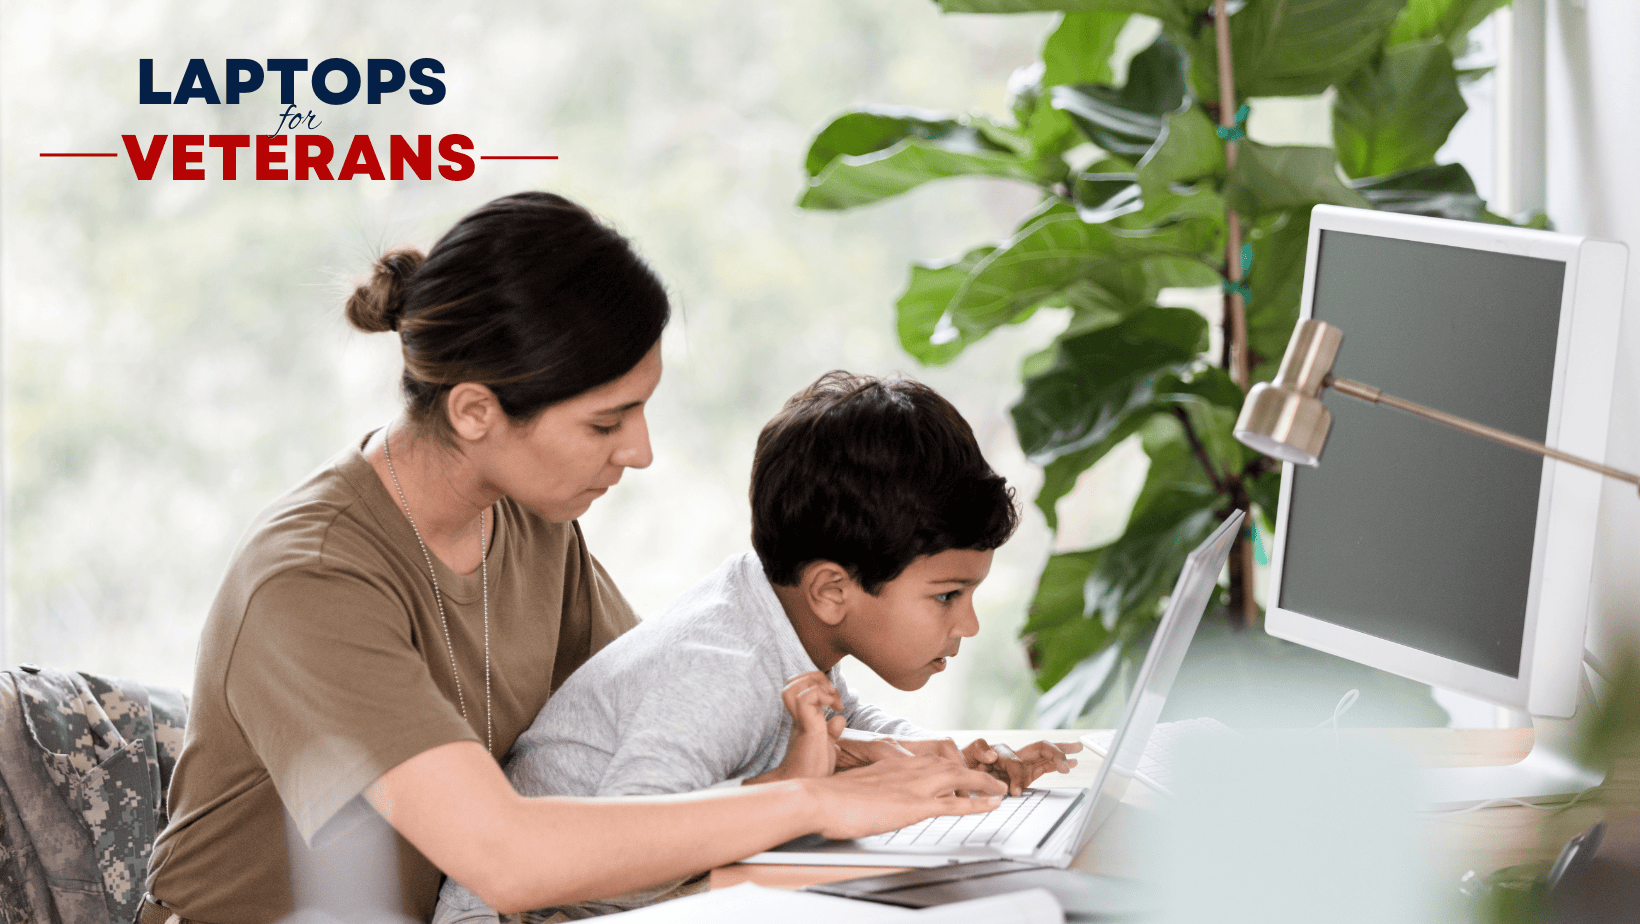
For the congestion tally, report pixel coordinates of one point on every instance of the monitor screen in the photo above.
(1413, 532)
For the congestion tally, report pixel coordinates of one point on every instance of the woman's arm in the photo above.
(453, 803)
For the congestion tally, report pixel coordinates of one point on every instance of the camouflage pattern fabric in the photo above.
(85, 762)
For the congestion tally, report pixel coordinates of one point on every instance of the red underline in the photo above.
(518, 157)
(79, 155)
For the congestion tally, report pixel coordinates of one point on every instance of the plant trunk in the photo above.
(1243, 607)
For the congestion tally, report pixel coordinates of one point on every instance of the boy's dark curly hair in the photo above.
(871, 474)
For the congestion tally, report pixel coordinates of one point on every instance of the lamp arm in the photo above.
(1373, 395)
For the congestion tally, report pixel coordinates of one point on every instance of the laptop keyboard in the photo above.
(965, 830)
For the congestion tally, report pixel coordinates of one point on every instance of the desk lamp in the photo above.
(1286, 420)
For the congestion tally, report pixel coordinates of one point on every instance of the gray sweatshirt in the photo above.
(688, 700)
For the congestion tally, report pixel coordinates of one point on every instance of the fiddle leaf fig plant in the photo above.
(1147, 186)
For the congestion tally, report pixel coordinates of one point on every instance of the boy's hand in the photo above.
(1019, 768)
(859, 752)
(812, 750)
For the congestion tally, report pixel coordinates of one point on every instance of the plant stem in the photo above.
(1235, 313)
(1200, 450)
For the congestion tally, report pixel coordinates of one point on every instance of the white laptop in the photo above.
(1046, 826)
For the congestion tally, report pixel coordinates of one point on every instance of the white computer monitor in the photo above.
(1429, 552)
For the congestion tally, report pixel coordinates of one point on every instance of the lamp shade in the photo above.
(1284, 425)
(1285, 419)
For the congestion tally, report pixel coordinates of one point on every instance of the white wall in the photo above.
(1594, 190)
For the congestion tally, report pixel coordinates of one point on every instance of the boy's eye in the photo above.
(605, 431)
(948, 596)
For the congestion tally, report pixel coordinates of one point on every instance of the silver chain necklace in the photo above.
(484, 580)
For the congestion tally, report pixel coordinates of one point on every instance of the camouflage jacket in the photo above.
(84, 764)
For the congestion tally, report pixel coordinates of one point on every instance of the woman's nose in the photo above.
(634, 451)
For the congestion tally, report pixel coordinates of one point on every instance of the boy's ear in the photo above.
(826, 588)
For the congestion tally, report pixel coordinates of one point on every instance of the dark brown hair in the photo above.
(871, 474)
(529, 295)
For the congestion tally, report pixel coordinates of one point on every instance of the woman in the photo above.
(387, 629)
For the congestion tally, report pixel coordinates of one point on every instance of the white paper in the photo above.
(748, 902)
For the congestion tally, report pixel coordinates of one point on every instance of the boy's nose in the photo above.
(968, 625)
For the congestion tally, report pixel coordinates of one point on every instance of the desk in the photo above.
(1483, 840)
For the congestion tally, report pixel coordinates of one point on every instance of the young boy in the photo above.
(874, 517)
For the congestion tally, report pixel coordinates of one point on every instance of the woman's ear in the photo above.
(474, 411)
(827, 588)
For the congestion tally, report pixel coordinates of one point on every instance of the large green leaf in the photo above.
(1059, 476)
(924, 302)
(1100, 378)
(1058, 597)
(869, 155)
(1210, 386)
(1056, 631)
(1450, 21)
(1049, 132)
(1211, 423)
(1444, 191)
(1056, 248)
(1272, 178)
(1293, 47)
(1397, 111)
(874, 129)
(1175, 13)
(1178, 179)
(1101, 197)
(1074, 689)
(1127, 120)
(1079, 660)
(1188, 149)
(1195, 211)
(1079, 49)
(1174, 513)
(1092, 307)
(1280, 244)
(1056, 260)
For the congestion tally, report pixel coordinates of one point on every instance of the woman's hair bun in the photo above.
(377, 305)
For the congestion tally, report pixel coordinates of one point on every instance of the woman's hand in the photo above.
(863, 752)
(860, 752)
(812, 750)
(453, 803)
(899, 791)
(1019, 768)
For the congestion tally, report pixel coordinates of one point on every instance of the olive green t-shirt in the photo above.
(323, 664)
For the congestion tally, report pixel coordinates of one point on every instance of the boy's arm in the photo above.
(874, 735)
(699, 724)
(867, 727)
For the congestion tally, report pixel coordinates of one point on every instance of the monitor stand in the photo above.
(1550, 772)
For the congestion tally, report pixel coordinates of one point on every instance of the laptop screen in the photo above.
(1161, 665)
